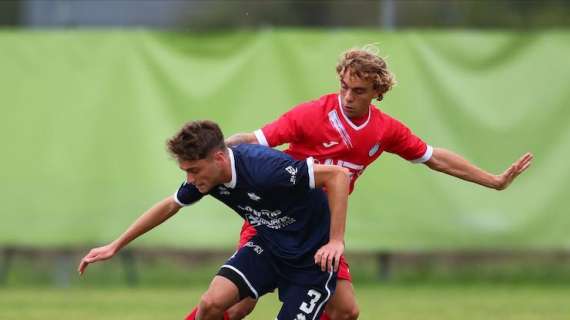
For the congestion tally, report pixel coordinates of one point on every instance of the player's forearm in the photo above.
(240, 138)
(154, 216)
(455, 165)
(337, 191)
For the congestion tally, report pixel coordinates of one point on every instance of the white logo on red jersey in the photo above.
(355, 169)
(374, 149)
(330, 144)
(337, 124)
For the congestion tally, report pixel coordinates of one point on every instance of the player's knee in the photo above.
(347, 313)
(353, 313)
(209, 307)
(241, 310)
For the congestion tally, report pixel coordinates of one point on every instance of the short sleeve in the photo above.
(403, 142)
(288, 128)
(187, 194)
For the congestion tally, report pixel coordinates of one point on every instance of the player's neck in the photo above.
(226, 176)
(358, 120)
(227, 168)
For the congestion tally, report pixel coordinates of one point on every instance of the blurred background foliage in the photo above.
(87, 85)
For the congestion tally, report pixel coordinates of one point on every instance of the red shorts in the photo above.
(247, 232)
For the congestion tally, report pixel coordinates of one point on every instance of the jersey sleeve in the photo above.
(403, 142)
(187, 194)
(288, 173)
(287, 128)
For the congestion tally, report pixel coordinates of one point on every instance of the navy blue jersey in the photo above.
(276, 195)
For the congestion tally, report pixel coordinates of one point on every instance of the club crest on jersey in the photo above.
(374, 149)
(293, 172)
(253, 196)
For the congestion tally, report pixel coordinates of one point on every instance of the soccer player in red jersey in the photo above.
(345, 129)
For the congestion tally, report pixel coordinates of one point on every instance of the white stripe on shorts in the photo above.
(244, 279)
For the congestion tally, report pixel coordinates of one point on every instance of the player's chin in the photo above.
(203, 188)
(349, 111)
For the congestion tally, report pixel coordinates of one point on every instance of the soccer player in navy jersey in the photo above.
(347, 130)
(300, 228)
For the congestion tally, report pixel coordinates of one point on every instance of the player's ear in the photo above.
(219, 156)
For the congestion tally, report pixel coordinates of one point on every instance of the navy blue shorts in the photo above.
(304, 290)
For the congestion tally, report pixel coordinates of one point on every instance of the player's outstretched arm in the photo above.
(154, 216)
(240, 138)
(453, 164)
(336, 180)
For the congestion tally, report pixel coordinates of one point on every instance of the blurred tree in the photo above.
(224, 14)
(9, 12)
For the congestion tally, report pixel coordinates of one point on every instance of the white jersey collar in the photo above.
(232, 183)
(355, 127)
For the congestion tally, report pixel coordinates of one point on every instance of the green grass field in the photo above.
(394, 302)
(168, 290)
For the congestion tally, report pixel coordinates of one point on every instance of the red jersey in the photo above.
(320, 129)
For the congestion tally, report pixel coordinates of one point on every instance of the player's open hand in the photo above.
(518, 167)
(96, 254)
(328, 256)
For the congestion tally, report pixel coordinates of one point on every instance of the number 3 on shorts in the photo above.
(308, 308)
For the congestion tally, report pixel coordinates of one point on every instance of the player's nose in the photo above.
(190, 178)
(348, 96)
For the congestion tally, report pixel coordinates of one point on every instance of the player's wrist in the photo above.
(337, 241)
(114, 246)
(496, 182)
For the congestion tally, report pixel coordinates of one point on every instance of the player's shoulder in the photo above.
(382, 116)
(257, 153)
(260, 163)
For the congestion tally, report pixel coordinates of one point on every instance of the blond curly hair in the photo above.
(365, 64)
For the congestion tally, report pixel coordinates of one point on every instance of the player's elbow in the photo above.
(172, 205)
(437, 163)
(240, 138)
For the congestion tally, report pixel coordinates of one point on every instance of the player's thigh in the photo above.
(241, 309)
(251, 270)
(342, 304)
(302, 303)
(221, 293)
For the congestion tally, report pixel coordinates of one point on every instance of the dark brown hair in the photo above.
(367, 65)
(196, 140)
